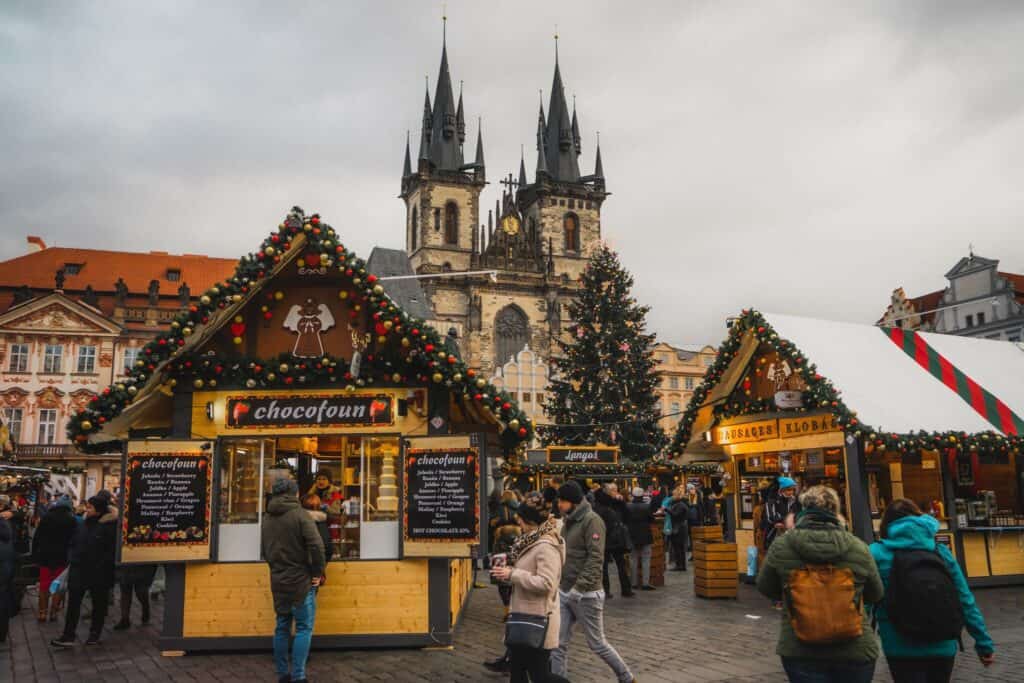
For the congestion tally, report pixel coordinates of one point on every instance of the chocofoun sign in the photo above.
(442, 495)
(583, 455)
(319, 410)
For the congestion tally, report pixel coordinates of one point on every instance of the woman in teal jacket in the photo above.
(904, 527)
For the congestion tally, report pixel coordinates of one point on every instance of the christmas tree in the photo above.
(603, 381)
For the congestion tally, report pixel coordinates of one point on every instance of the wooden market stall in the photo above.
(876, 414)
(300, 366)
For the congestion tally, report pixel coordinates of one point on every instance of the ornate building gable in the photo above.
(57, 314)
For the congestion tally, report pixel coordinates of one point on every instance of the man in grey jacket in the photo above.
(293, 548)
(580, 593)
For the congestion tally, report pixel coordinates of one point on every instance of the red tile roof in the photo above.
(101, 269)
(926, 304)
(1018, 284)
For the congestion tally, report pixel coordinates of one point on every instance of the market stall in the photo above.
(876, 414)
(302, 366)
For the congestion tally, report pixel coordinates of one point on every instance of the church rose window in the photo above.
(571, 224)
(511, 334)
(451, 223)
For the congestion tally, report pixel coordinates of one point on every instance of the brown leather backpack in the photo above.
(824, 604)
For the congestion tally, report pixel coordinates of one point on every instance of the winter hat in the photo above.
(550, 495)
(638, 492)
(284, 485)
(570, 491)
(63, 502)
(100, 503)
(786, 483)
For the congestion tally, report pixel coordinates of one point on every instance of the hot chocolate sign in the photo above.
(316, 410)
(583, 455)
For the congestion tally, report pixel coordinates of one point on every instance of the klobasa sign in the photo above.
(314, 410)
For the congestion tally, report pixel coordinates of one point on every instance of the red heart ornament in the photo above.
(237, 329)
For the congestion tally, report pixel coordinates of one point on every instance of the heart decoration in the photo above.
(237, 329)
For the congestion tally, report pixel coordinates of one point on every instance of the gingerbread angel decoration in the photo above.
(309, 320)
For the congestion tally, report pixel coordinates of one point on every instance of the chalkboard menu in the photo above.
(167, 506)
(442, 501)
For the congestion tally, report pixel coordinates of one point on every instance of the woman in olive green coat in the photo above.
(819, 538)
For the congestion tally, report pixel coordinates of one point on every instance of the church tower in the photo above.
(442, 191)
(562, 206)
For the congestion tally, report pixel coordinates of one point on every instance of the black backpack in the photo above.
(922, 599)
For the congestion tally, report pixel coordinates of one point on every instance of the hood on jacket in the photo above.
(818, 542)
(912, 532)
(577, 513)
(279, 505)
(317, 515)
(601, 497)
(109, 517)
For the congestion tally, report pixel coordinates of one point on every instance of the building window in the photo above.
(709, 361)
(526, 397)
(47, 425)
(673, 382)
(72, 268)
(173, 275)
(981, 318)
(970, 320)
(571, 225)
(51, 358)
(131, 355)
(414, 232)
(511, 334)
(86, 360)
(12, 418)
(19, 358)
(437, 219)
(451, 223)
(689, 384)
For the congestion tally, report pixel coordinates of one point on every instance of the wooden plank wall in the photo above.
(233, 599)
(461, 583)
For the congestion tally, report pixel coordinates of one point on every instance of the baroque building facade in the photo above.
(978, 301)
(681, 370)
(523, 262)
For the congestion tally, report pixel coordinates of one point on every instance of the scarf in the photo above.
(525, 541)
(819, 515)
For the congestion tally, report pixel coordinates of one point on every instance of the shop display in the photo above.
(387, 497)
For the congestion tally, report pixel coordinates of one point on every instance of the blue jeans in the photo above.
(303, 614)
(827, 671)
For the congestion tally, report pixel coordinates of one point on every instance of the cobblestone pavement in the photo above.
(666, 636)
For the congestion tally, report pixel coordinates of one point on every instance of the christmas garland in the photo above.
(404, 349)
(513, 468)
(820, 394)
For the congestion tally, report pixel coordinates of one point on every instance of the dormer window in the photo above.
(72, 268)
(173, 275)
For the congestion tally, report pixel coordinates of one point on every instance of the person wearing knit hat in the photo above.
(91, 569)
(294, 549)
(580, 592)
(777, 510)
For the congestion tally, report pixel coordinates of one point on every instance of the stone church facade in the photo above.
(537, 237)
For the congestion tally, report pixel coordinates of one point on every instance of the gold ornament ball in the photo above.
(264, 308)
(343, 294)
(278, 295)
(237, 340)
(214, 290)
(132, 390)
(251, 383)
(481, 383)
(271, 377)
(396, 378)
(239, 319)
(187, 332)
(388, 324)
(283, 367)
(86, 425)
(301, 263)
(382, 339)
(204, 300)
(236, 297)
(457, 377)
(307, 227)
(405, 342)
(437, 377)
(198, 383)
(213, 382)
(378, 289)
(356, 281)
(513, 424)
(171, 383)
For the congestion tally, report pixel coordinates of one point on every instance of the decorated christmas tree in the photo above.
(603, 379)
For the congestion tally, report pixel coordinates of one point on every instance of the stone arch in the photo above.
(511, 333)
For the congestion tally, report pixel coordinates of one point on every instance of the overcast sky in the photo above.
(797, 157)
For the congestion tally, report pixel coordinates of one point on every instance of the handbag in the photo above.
(525, 630)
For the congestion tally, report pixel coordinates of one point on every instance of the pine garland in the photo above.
(821, 394)
(404, 349)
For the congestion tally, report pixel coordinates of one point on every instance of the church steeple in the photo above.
(478, 162)
(407, 166)
(561, 134)
(428, 123)
(445, 152)
(542, 162)
(522, 169)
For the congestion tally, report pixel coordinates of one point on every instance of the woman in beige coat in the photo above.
(535, 570)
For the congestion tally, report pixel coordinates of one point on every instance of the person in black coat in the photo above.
(611, 508)
(50, 547)
(91, 569)
(7, 571)
(680, 510)
(639, 518)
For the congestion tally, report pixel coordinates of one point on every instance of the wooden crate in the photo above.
(715, 569)
(706, 533)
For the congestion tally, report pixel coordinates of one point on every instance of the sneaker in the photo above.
(63, 642)
(93, 640)
(499, 665)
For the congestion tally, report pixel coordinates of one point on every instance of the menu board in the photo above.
(166, 515)
(442, 499)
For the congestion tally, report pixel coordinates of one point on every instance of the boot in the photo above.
(44, 605)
